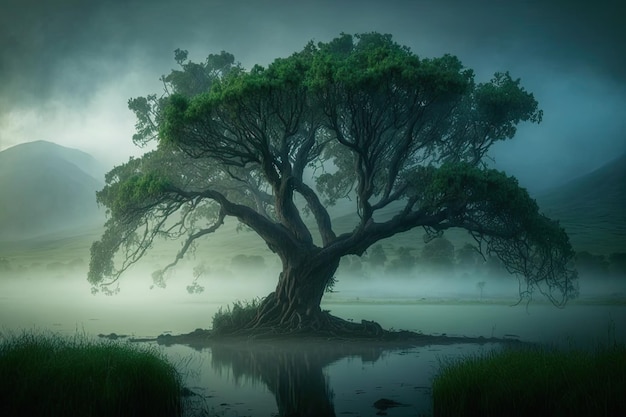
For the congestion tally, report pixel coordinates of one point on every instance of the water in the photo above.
(309, 379)
(315, 380)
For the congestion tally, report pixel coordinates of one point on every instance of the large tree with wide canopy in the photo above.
(359, 116)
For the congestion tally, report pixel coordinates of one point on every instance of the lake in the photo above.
(261, 379)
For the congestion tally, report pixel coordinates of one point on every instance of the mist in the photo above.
(69, 68)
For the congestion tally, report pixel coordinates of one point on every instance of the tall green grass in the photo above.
(51, 375)
(535, 381)
(237, 317)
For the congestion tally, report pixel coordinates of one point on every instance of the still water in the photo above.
(256, 379)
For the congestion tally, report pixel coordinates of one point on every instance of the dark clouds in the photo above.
(39, 40)
(69, 50)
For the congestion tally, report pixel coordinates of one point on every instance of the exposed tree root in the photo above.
(277, 319)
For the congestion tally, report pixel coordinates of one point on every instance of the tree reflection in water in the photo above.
(292, 371)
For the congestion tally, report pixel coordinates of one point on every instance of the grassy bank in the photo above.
(534, 382)
(50, 375)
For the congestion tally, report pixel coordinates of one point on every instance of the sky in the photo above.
(68, 67)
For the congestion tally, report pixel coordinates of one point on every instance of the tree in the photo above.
(481, 287)
(439, 253)
(617, 266)
(248, 261)
(359, 116)
(5, 265)
(377, 256)
(404, 261)
(592, 265)
(468, 257)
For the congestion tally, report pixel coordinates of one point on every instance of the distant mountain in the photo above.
(45, 188)
(592, 208)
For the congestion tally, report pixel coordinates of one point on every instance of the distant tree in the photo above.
(468, 257)
(481, 287)
(438, 253)
(592, 265)
(5, 265)
(248, 261)
(359, 116)
(404, 261)
(76, 263)
(351, 264)
(617, 264)
(377, 256)
(493, 267)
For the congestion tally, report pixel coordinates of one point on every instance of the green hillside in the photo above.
(592, 208)
(46, 188)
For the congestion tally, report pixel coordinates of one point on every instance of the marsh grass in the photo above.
(533, 381)
(237, 317)
(51, 375)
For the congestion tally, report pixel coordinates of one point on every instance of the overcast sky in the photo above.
(68, 67)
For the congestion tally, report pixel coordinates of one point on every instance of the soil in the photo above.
(202, 338)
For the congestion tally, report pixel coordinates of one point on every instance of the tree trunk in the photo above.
(294, 307)
(295, 304)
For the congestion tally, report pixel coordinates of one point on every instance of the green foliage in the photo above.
(502, 104)
(191, 80)
(493, 267)
(617, 265)
(237, 317)
(502, 216)
(594, 266)
(533, 382)
(371, 119)
(404, 261)
(198, 272)
(439, 252)
(468, 257)
(377, 256)
(55, 376)
(330, 285)
(136, 192)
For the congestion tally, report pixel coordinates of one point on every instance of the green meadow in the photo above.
(51, 375)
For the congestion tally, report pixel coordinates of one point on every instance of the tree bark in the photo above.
(294, 307)
(295, 304)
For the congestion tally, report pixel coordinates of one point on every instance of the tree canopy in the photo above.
(360, 116)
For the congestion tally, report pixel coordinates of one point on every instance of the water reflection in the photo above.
(313, 378)
(293, 375)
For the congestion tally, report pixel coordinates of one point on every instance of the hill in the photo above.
(46, 188)
(592, 208)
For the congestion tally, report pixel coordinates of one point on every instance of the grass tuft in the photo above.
(237, 317)
(51, 375)
(533, 381)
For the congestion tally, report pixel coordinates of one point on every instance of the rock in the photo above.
(385, 403)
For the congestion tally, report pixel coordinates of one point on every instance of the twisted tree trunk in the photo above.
(295, 304)
(294, 307)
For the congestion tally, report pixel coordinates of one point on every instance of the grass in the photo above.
(535, 381)
(51, 375)
(237, 317)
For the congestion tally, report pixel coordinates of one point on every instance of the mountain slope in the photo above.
(47, 188)
(592, 208)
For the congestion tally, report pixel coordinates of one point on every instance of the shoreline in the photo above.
(390, 340)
